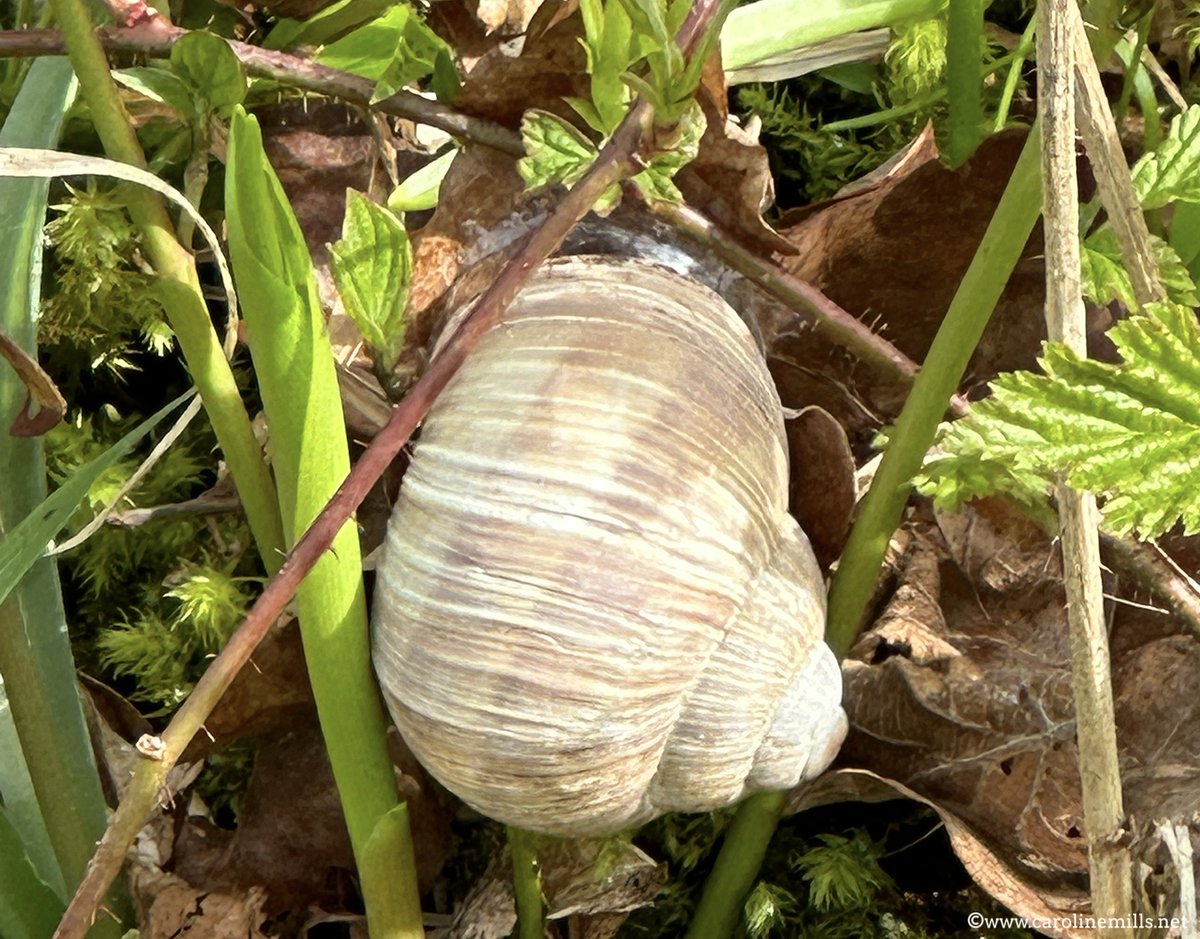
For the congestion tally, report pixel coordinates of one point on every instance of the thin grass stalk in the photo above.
(1013, 78)
(738, 863)
(190, 320)
(880, 511)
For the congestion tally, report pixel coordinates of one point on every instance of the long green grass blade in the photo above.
(28, 908)
(20, 803)
(35, 120)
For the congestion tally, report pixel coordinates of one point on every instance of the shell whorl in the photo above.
(593, 606)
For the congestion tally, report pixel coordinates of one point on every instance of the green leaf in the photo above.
(206, 62)
(24, 545)
(1171, 171)
(655, 181)
(1105, 278)
(28, 908)
(420, 190)
(161, 85)
(372, 265)
(1128, 432)
(555, 151)
(327, 24)
(395, 50)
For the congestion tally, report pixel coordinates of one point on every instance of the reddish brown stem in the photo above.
(292, 70)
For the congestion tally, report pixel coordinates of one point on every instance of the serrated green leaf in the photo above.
(555, 151)
(1171, 172)
(655, 182)
(1105, 278)
(205, 61)
(372, 265)
(1128, 432)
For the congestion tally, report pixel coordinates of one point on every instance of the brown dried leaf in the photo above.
(895, 254)
(821, 492)
(983, 864)
(730, 180)
(961, 692)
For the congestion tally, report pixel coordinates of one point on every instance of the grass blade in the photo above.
(57, 808)
(28, 908)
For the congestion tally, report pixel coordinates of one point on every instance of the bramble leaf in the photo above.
(1171, 172)
(1105, 278)
(1128, 432)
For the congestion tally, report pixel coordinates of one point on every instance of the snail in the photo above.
(593, 606)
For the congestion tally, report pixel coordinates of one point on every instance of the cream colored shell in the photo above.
(593, 606)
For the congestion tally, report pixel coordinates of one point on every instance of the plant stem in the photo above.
(1099, 763)
(189, 319)
(981, 286)
(1019, 55)
(527, 886)
(761, 30)
(1098, 129)
(738, 862)
(964, 90)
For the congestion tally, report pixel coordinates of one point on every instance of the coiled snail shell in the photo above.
(593, 607)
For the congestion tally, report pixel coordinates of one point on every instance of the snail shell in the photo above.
(593, 607)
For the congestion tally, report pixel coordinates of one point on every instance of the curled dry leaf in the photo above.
(730, 180)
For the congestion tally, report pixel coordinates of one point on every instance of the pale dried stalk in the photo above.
(1103, 810)
(1103, 144)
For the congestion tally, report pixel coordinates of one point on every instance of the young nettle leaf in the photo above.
(610, 43)
(372, 266)
(555, 152)
(655, 181)
(205, 61)
(1171, 172)
(1128, 432)
(1105, 278)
